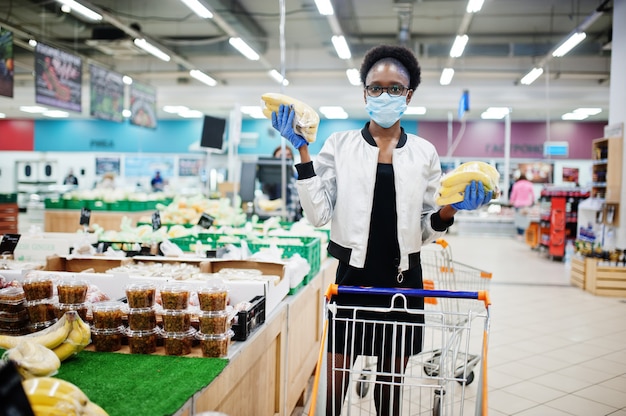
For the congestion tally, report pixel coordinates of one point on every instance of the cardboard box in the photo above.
(38, 248)
(96, 264)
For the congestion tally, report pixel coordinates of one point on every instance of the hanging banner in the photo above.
(143, 105)
(6, 63)
(107, 94)
(58, 78)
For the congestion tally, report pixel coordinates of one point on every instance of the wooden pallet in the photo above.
(578, 270)
(605, 280)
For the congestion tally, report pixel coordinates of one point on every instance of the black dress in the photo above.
(380, 270)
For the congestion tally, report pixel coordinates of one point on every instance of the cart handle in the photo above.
(335, 289)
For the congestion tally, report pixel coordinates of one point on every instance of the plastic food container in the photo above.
(175, 320)
(213, 296)
(38, 287)
(214, 345)
(38, 326)
(213, 322)
(14, 320)
(141, 319)
(174, 296)
(81, 308)
(140, 295)
(72, 291)
(107, 340)
(142, 342)
(107, 314)
(178, 343)
(41, 310)
(12, 299)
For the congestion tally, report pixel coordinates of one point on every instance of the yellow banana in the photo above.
(92, 409)
(33, 359)
(451, 199)
(445, 191)
(49, 337)
(56, 410)
(73, 343)
(42, 387)
(306, 121)
(462, 177)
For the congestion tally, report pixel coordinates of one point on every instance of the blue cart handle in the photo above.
(335, 289)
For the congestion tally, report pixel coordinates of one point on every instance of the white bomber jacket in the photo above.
(339, 187)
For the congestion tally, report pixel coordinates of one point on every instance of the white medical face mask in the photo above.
(385, 110)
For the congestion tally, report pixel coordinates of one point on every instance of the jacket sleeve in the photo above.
(317, 186)
(433, 226)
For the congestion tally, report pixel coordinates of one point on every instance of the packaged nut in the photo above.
(72, 291)
(140, 295)
(214, 322)
(38, 286)
(175, 320)
(12, 299)
(141, 319)
(142, 342)
(42, 310)
(213, 296)
(174, 296)
(107, 314)
(13, 320)
(107, 340)
(81, 308)
(214, 345)
(178, 343)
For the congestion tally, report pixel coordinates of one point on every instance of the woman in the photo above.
(522, 197)
(377, 187)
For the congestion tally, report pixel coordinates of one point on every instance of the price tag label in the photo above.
(85, 216)
(8, 243)
(156, 220)
(206, 221)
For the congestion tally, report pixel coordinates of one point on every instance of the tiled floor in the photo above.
(554, 350)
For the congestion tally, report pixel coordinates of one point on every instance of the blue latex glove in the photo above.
(475, 197)
(282, 120)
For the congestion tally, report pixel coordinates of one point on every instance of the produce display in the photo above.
(453, 183)
(306, 120)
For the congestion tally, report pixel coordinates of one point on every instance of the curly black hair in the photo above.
(400, 53)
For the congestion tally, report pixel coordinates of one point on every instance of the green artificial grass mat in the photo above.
(140, 384)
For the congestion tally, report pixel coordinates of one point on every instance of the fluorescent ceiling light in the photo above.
(32, 42)
(495, 113)
(278, 77)
(333, 112)
(174, 109)
(415, 111)
(458, 46)
(126, 113)
(253, 111)
(127, 80)
(474, 6)
(80, 9)
(2, 115)
(244, 49)
(532, 76)
(353, 76)
(56, 114)
(325, 7)
(151, 49)
(569, 44)
(202, 77)
(33, 109)
(191, 114)
(446, 76)
(341, 46)
(590, 111)
(574, 116)
(198, 8)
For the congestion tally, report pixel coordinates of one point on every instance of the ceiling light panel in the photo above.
(202, 77)
(446, 76)
(151, 49)
(198, 8)
(531, 76)
(458, 46)
(244, 48)
(341, 46)
(324, 7)
(569, 44)
(82, 10)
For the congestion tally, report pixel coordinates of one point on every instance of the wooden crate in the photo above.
(605, 280)
(8, 218)
(578, 271)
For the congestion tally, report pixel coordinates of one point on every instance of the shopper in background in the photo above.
(157, 182)
(377, 187)
(522, 197)
(70, 179)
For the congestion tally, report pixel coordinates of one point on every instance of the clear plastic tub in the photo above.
(213, 322)
(178, 343)
(81, 308)
(175, 320)
(14, 320)
(38, 326)
(214, 345)
(107, 340)
(12, 299)
(212, 297)
(42, 310)
(142, 319)
(140, 295)
(107, 314)
(72, 291)
(142, 342)
(38, 286)
(174, 296)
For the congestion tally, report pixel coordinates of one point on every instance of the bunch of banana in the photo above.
(33, 360)
(77, 339)
(50, 337)
(306, 120)
(453, 184)
(51, 396)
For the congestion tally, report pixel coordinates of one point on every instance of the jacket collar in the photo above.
(369, 139)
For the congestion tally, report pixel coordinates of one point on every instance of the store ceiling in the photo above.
(506, 39)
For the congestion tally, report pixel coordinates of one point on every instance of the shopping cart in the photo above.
(423, 385)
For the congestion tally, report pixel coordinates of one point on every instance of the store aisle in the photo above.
(555, 350)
